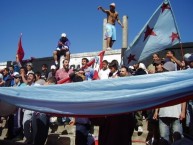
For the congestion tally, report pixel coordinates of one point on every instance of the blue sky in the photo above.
(42, 21)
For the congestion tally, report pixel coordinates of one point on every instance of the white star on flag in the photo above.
(159, 33)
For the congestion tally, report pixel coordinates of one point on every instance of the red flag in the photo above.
(62, 81)
(93, 60)
(101, 55)
(20, 51)
(96, 75)
(98, 65)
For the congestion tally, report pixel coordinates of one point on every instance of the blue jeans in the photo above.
(169, 125)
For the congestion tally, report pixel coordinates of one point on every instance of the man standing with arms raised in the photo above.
(112, 17)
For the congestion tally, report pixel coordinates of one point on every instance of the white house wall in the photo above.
(76, 59)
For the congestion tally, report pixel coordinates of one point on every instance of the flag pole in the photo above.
(181, 48)
(182, 51)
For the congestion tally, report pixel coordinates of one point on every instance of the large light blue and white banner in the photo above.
(104, 97)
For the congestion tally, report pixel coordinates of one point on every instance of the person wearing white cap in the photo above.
(52, 72)
(112, 17)
(188, 58)
(62, 48)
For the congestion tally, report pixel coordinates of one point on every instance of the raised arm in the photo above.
(171, 56)
(101, 8)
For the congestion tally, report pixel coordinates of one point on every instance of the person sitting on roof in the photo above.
(62, 48)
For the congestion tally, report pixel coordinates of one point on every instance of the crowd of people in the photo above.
(166, 124)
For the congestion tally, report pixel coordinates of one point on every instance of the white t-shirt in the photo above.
(171, 111)
(104, 74)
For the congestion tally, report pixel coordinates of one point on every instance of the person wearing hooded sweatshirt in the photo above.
(62, 49)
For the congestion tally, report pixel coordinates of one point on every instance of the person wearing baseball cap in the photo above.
(62, 49)
(188, 58)
(16, 75)
(112, 4)
(112, 17)
(52, 72)
(63, 35)
(53, 67)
